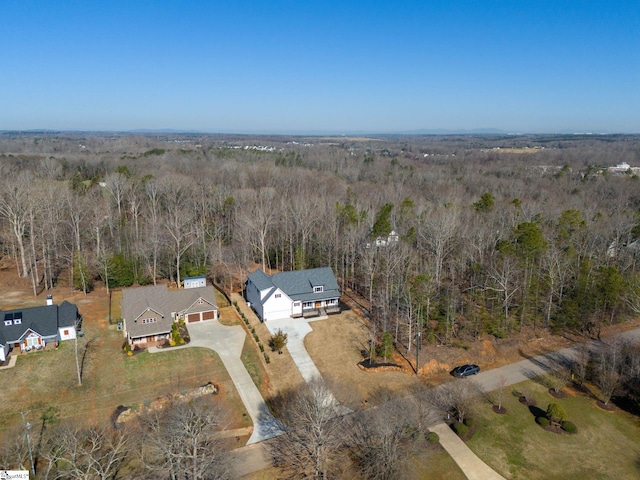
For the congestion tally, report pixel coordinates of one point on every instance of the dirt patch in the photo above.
(337, 345)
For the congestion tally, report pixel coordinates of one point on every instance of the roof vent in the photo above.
(49, 299)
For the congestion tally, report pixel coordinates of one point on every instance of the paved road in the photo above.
(227, 342)
(255, 458)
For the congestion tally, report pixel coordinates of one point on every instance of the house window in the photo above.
(307, 305)
(149, 320)
(65, 332)
(32, 341)
(333, 301)
(319, 289)
(200, 301)
(278, 295)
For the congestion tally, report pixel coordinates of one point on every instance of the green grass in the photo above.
(605, 447)
(110, 378)
(435, 464)
(251, 358)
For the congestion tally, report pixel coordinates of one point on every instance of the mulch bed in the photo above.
(528, 401)
(609, 407)
(557, 394)
(553, 429)
(378, 367)
(499, 410)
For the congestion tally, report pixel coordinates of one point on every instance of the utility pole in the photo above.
(27, 426)
(78, 362)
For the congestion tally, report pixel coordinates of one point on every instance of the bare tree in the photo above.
(256, 220)
(500, 385)
(382, 438)
(182, 441)
(14, 453)
(179, 218)
(92, 452)
(580, 365)
(560, 376)
(14, 207)
(457, 398)
(312, 444)
(608, 378)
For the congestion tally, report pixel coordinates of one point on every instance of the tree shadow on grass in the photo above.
(537, 411)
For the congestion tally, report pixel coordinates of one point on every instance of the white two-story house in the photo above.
(293, 294)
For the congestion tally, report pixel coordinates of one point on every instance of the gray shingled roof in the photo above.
(44, 320)
(260, 280)
(137, 301)
(182, 300)
(298, 284)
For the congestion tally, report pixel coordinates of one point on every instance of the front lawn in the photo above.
(605, 447)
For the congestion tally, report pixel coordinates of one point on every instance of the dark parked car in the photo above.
(465, 370)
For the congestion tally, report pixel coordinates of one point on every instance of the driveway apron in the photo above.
(227, 342)
(296, 330)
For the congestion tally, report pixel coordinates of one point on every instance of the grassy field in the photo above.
(110, 378)
(605, 447)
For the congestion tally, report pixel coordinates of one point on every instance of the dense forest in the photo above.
(449, 236)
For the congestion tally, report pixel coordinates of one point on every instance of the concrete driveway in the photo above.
(296, 329)
(227, 342)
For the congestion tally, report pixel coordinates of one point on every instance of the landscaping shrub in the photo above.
(469, 422)
(127, 349)
(261, 346)
(176, 338)
(569, 427)
(256, 338)
(278, 341)
(266, 358)
(253, 330)
(432, 437)
(543, 421)
(556, 413)
(460, 428)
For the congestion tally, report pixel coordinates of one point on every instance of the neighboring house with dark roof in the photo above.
(33, 328)
(293, 294)
(148, 313)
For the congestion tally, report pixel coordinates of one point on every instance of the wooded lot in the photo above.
(449, 236)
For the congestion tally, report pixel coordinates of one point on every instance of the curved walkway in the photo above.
(469, 463)
(11, 363)
(227, 342)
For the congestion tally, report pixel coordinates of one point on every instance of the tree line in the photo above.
(448, 237)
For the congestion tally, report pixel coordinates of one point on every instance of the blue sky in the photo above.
(321, 66)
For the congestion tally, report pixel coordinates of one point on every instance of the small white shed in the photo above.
(195, 282)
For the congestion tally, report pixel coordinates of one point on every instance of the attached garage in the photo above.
(200, 316)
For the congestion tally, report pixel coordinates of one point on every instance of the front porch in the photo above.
(150, 341)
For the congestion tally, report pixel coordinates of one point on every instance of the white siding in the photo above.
(278, 305)
(67, 333)
(195, 282)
